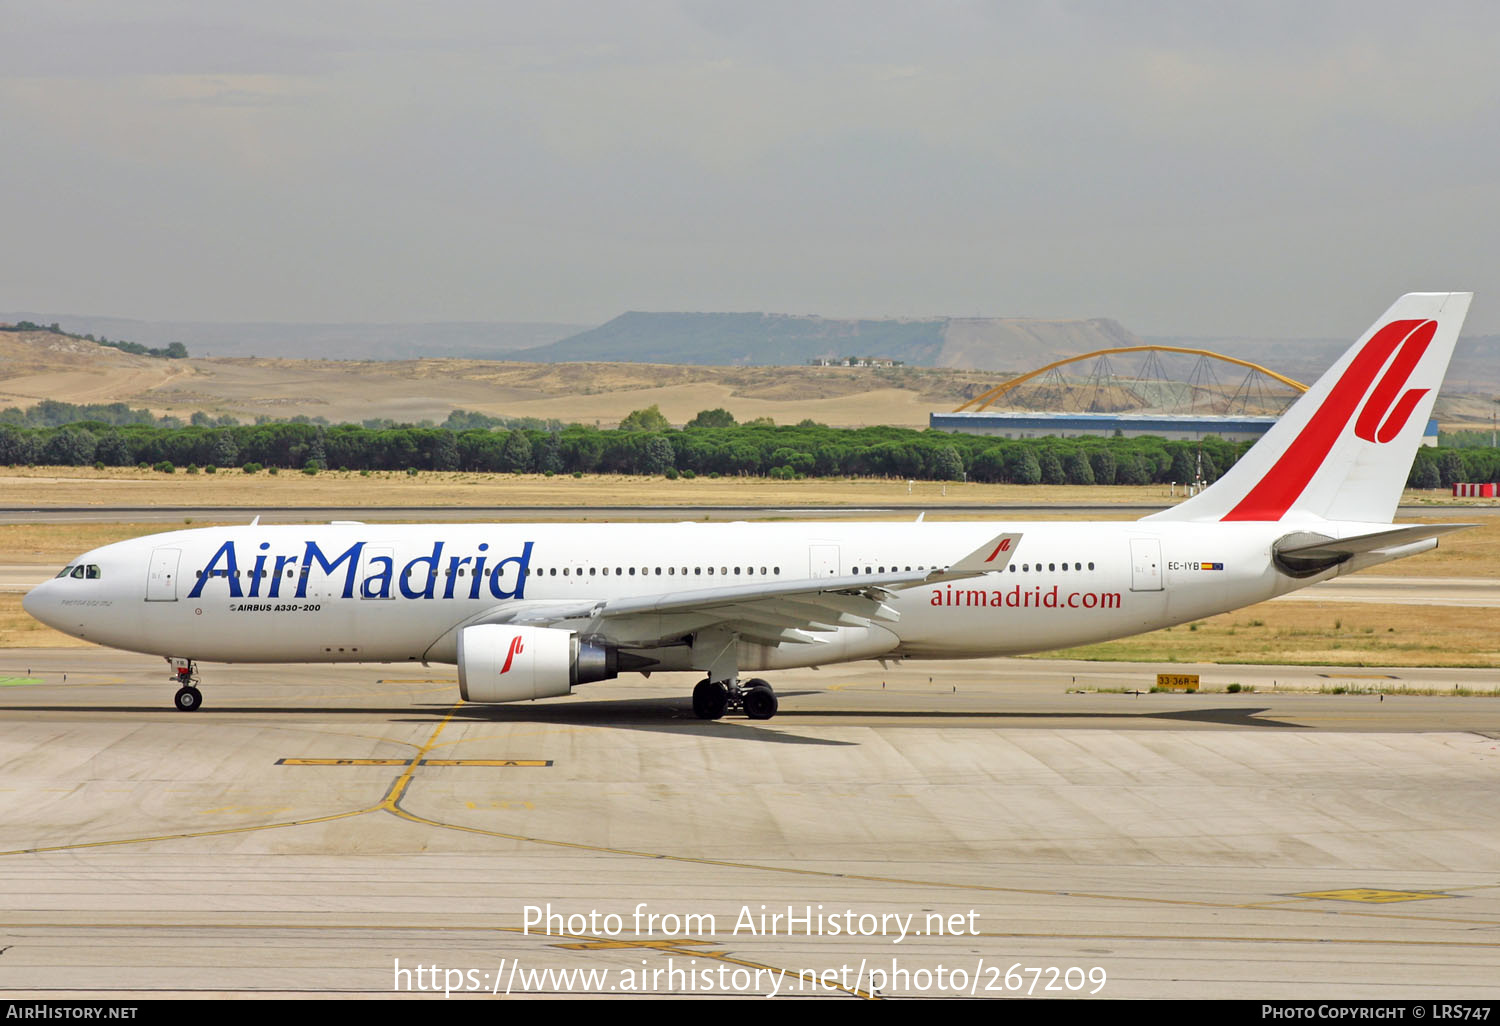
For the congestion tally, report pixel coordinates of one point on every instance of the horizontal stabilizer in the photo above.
(1304, 553)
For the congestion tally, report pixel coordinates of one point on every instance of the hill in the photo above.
(40, 365)
(740, 339)
(479, 340)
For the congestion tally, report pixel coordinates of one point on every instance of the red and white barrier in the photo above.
(1473, 491)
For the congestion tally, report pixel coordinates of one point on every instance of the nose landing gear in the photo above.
(185, 674)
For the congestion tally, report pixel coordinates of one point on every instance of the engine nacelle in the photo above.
(497, 663)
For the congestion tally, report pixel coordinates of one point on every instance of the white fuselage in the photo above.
(387, 593)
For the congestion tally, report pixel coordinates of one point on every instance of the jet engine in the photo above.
(497, 663)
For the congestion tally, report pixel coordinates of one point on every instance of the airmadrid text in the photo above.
(439, 574)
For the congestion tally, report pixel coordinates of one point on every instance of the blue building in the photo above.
(1190, 427)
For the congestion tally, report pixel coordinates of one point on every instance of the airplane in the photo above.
(529, 611)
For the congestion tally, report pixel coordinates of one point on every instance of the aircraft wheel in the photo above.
(188, 699)
(710, 699)
(760, 701)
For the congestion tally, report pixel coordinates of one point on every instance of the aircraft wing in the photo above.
(772, 612)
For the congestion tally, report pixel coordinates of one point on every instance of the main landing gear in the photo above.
(185, 673)
(755, 698)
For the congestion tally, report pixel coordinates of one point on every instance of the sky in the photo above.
(1263, 168)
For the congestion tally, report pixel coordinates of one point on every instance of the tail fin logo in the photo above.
(1004, 546)
(515, 646)
(1381, 417)
(1370, 425)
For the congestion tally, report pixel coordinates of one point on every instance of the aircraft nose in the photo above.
(40, 602)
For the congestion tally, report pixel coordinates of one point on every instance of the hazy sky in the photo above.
(1285, 169)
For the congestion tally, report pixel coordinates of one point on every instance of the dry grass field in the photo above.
(1320, 634)
(1350, 634)
(129, 486)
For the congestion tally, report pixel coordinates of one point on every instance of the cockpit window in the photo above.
(82, 571)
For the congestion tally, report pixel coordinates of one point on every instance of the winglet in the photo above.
(992, 555)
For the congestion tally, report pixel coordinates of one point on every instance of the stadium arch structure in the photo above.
(1150, 402)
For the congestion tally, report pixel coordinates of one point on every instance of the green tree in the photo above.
(1424, 472)
(1077, 469)
(649, 419)
(1051, 467)
(659, 456)
(1450, 467)
(549, 455)
(1023, 467)
(113, 450)
(715, 418)
(69, 447)
(17, 447)
(947, 464)
(1104, 465)
(516, 453)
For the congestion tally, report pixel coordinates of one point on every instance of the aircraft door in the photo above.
(823, 560)
(1145, 564)
(161, 578)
